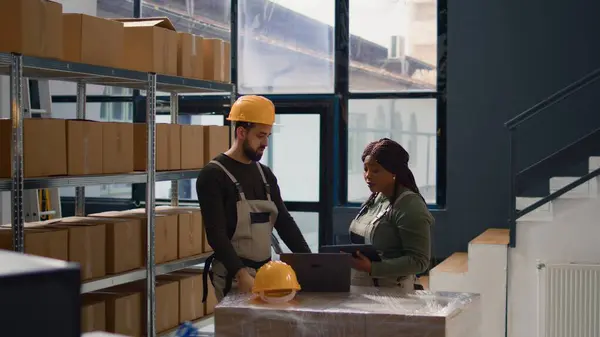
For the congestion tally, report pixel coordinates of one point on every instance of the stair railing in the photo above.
(513, 124)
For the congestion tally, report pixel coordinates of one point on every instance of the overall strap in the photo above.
(238, 186)
(264, 179)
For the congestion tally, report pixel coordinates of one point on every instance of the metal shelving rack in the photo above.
(19, 67)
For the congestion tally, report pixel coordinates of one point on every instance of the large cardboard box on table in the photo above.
(168, 147)
(123, 310)
(150, 45)
(190, 229)
(93, 40)
(364, 312)
(44, 147)
(166, 236)
(117, 148)
(84, 147)
(39, 240)
(31, 28)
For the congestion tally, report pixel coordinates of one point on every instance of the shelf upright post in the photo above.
(150, 203)
(16, 115)
(81, 107)
(233, 98)
(174, 120)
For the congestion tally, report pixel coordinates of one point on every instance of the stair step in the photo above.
(492, 236)
(542, 213)
(594, 163)
(585, 190)
(456, 263)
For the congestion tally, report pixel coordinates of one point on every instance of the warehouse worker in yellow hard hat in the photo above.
(241, 202)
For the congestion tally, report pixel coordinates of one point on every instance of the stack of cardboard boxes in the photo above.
(58, 147)
(39, 28)
(121, 309)
(111, 243)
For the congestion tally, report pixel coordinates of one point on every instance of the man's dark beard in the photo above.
(250, 153)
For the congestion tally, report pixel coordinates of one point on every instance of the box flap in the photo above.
(162, 22)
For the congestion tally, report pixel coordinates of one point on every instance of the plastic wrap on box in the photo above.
(363, 312)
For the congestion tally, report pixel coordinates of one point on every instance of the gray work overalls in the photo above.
(367, 228)
(251, 239)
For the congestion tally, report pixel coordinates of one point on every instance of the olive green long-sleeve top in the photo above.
(403, 235)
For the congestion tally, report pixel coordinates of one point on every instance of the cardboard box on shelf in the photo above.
(167, 302)
(211, 300)
(216, 141)
(150, 45)
(84, 147)
(123, 248)
(93, 40)
(189, 52)
(32, 28)
(123, 311)
(40, 241)
(198, 59)
(190, 227)
(213, 50)
(166, 236)
(117, 147)
(168, 147)
(44, 147)
(192, 146)
(227, 62)
(87, 246)
(190, 295)
(93, 314)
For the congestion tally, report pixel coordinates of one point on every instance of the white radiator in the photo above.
(568, 300)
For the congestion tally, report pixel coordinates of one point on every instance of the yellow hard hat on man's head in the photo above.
(253, 109)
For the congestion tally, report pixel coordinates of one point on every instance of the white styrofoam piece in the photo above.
(542, 213)
(582, 191)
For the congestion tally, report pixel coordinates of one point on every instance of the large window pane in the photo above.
(187, 188)
(293, 155)
(308, 222)
(285, 46)
(410, 122)
(208, 18)
(393, 45)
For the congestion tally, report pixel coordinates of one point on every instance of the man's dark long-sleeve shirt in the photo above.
(218, 196)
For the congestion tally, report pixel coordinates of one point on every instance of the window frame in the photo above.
(342, 91)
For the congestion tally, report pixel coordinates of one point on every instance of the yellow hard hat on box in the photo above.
(276, 282)
(253, 109)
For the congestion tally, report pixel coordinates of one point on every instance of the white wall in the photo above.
(572, 236)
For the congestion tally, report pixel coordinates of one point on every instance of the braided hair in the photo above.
(393, 158)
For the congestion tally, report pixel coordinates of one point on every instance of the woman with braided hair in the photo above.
(395, 220)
